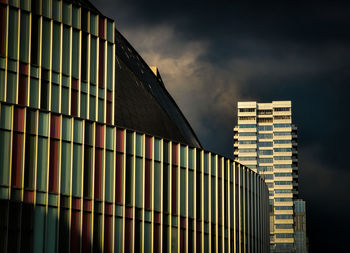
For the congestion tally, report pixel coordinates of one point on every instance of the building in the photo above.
(265, 140)
(301, 242)
(95, 155)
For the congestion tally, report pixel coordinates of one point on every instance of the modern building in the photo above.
(95, 155)
(300, 237)
(265, 140)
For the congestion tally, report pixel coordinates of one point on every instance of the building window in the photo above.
(264, 120)
(246, 118)
(264, 112)
(282, 117)
(281, 109)
(246, 109)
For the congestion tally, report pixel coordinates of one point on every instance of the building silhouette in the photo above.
(95, 155)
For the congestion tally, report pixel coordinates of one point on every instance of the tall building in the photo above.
(95, 155)
(265, 140)
(301, 242)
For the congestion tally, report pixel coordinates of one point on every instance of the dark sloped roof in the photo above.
(144, 92)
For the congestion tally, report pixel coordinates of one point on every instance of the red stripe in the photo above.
(101, 27)
(156, 238)
(75, 235)
(148, 185)
(173, 190)
(87, 205)
(17, 160)
(119, 177)
(174, 153)
(76, 203)
(148, 147)
(99, 136)
(86, 232)
(53, 166)
(28, 196)
(101, 64)
(98, 170)
(19, 119)
(22, 92)
(108, 234)
(55, 126)
(120, 140)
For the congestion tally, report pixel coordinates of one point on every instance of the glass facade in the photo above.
(82, 182)
(71, 180)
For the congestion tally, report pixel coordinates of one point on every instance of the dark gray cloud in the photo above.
(212, 54)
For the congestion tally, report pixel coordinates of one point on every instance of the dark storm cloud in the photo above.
(212, 54)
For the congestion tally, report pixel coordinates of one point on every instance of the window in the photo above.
(284, 235)
(283, 174)
(284, 208)
(283, 191)
(76, 17)
(3, 24)
(247, 150)
(281, 109)
(265, 112)
(283, 166)
(247, 158)
(265, 136)
(265, 160)
(265, 152)
(246, 126)
(264, 120)
(247, 134)
(284, 226)
(67, 17)
(282, 158)
(283, 216)
(265, 144)
(282, 150)
(247, 109)
(281, 133)
(101, 63)
(84, 57)
(46, 40)
(246, 118)
(34, 40)
(75, 53)
(66, 52)
(110, 57)
(247, 142)
(93, 60)
(282, 141)
(265, 168)
(283, 182)
(282, 117)
(281, 125)
(13, 34)
(24, 48)
(264, 128)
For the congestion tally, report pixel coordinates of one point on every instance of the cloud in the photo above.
(204, 92)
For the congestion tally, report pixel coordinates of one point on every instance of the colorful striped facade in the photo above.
(72, 180)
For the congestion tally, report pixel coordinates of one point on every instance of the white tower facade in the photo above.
(265, 140)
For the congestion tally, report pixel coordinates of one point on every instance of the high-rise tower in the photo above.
(265, 140)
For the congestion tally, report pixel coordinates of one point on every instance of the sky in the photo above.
(212, 54)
